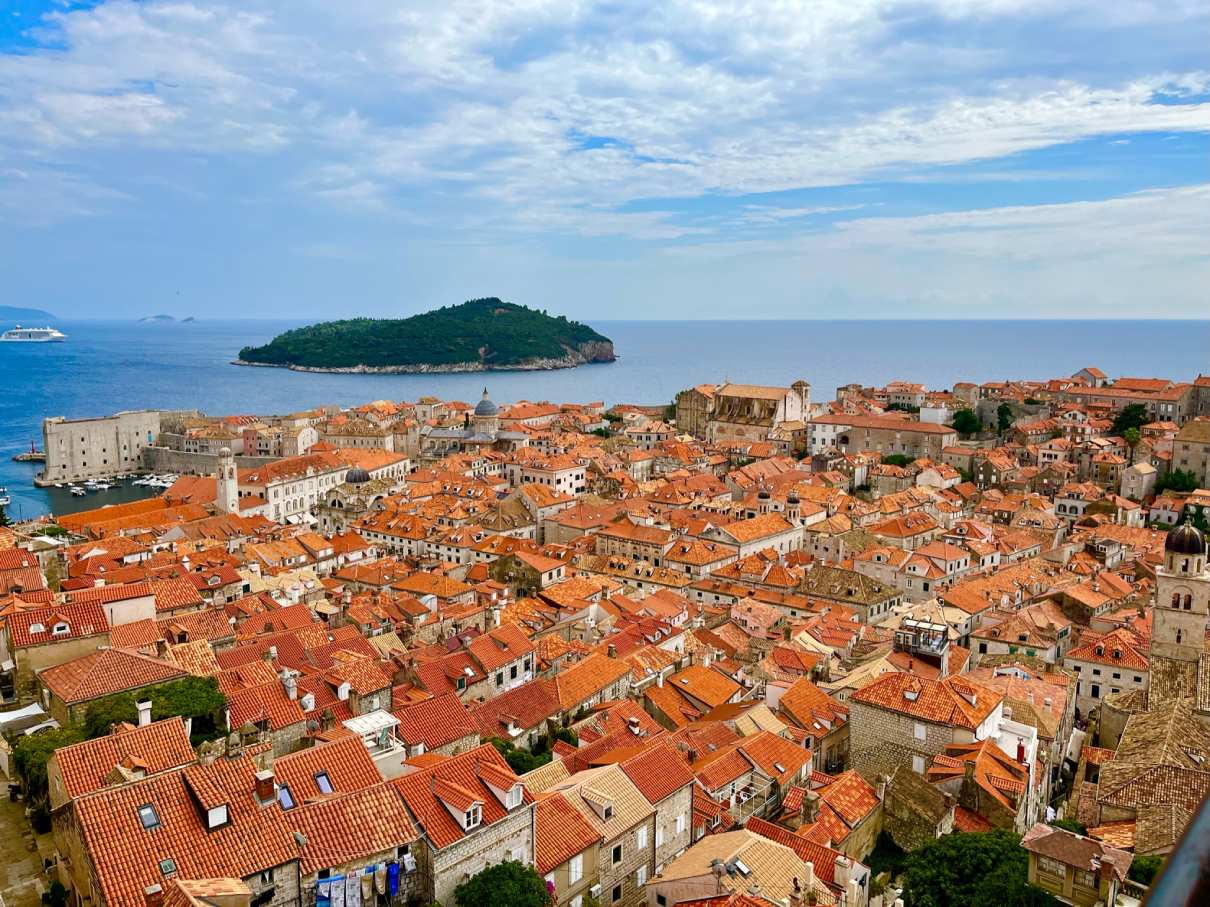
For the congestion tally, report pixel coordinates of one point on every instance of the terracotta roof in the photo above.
(345, 762)
(953, 700)
(35, 627)
(104, 672)
(156, 747)
(560, 832)
(580, 681)
(378, 815)
(658, 772)
(462, 772)
(435, 722)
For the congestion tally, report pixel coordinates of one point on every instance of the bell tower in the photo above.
(1182, 597)
(226, 483)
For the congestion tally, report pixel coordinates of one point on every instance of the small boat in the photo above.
(78, 491)
(5, 499)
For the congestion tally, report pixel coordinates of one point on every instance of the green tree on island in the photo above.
(986, 869)
(1131, 416)
(966, 422)
(507, 884)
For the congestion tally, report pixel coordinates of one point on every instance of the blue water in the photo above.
(110, 365)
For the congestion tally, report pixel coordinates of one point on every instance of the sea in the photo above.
(106, 366)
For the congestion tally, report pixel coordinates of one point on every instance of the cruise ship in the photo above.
(33, 335)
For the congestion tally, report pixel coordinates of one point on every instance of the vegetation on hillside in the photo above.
(490, 331)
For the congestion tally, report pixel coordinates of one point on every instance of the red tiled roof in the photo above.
(156, 747)
(342, 829)
(560, 832)
(658, 772)
(345, 761)
(953, 700)
(104, 672)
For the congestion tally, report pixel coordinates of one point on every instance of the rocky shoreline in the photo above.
(587, 353)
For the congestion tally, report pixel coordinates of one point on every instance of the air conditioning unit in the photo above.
(595, 891)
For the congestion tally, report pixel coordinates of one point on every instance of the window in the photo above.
(640, 877)
(1086, 879)
(323, 783)
(661, 900)
(607, 812)
(513, 800)
(680, 824)
(617, 893)
(499, 678)
(659, 836)
(918, 764)
(617, 854)
(640, 837)
(149, 817)
(920, 731)
(472, 817)
(575, 869)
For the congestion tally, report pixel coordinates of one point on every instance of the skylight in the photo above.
(323, 783)
(148, 816)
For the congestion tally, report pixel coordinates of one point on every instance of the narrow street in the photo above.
(21, 882)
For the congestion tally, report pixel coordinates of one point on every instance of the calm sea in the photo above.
(109, 365)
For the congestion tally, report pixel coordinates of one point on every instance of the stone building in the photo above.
(750, 412)
(79, 449)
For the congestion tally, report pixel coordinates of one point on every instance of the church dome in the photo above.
(1185, 539)
(357, 476)
(485, 407)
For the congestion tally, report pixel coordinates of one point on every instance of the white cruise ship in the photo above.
(33, 335)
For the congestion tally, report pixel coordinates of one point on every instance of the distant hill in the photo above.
(157, 319)
(479, 335)
(15, 313)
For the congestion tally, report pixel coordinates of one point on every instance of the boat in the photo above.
(78, 491)
(5, 499)
(33, 335)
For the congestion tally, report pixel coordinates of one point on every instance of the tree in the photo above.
(519, 760)
(1004, 418)
(198, 698)
(30, 756)
(1183, 480)
(507, 884)
(966, 422)
(987, 869)
(1132, 437)
(1145, 868)
(1131, 416)
(896, 460)
(1070, 825)
(4, 520)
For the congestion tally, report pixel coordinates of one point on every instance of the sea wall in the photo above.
(163, 459)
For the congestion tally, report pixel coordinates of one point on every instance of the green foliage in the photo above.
(1004, 418)
(1132, 416)
(482, 330)
(30, 756)
(198, 698)
(1145, 868)
(519, 760)
(613, 417)
(896, 460)
(972, 870)
(1070, 825)
(53, 531)
(1032, 401)
(966, 422)
(1182, 480)
(507, 884)
(903, 407)
(602, 432)
(965, 474)
(4, 520)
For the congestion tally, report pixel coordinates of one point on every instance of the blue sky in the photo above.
(838, 158)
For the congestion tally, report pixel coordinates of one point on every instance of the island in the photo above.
(24, 316)
(477, 335)
(157, 319)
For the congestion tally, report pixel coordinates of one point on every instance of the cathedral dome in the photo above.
(1185, 539)
(357, 476)
(485, 407)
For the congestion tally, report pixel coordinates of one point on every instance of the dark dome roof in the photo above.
(357, 476)
(763, 494)
(1185, 539)
(485, 407)
(793, 499)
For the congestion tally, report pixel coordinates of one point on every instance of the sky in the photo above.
(679, 159)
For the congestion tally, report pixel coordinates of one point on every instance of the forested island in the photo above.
(28, 316)
(478, 335)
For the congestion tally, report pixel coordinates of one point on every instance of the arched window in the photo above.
(1179, 634)
(1188, 601)
(1176, 599)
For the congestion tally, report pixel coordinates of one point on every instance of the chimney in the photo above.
(1021, 751)
(263, 787)
(290, 683)
(188, 726)
(144, 708)
(810, 810)
(692, 754)
(153, 895)
(809, 881)
(659, 679)
(612, 651)
(840, 874)
(881, 787)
